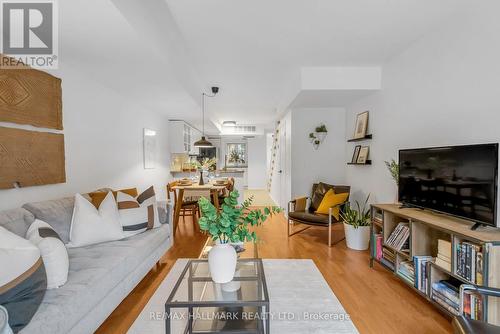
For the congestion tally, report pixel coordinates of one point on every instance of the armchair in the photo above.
(464, 325)
(300, 214)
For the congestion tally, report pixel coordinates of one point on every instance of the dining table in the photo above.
(182, 190)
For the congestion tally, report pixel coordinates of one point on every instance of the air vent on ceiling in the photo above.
(243, 129)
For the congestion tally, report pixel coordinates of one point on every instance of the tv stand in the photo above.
(409, 206)
(426, 228)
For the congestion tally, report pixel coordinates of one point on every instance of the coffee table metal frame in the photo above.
(261, 305)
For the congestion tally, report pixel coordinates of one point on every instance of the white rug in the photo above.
(300, 301)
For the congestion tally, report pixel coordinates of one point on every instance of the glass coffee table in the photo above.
(197, 305)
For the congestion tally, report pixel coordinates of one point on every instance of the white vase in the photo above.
(321, 136)
(357, 238)
(222, 263)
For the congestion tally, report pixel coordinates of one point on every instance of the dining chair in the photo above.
(188, 207)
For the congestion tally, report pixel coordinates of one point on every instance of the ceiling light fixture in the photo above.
(203, 142)
(229, 123)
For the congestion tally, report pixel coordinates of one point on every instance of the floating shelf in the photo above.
(368, 162)
(360, 139)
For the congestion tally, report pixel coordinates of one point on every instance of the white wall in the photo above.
(326, 164)
(103, 143)
(443, 90)
(257, 158)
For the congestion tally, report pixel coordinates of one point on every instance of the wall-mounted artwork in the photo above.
(30, 158)
(150, 149)
(361, 125)
(30, 97)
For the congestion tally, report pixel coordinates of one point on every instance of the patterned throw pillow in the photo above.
(138, 214)
(54, 253)
(22, 278)
(98, 196)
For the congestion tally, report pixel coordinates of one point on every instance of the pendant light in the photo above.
(203, 142)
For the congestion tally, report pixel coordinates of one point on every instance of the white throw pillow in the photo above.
(138, 214)
(91, 226)
(54, 253)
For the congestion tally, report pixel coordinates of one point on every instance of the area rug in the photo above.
(300, 301)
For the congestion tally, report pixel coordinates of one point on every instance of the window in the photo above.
(236, 155)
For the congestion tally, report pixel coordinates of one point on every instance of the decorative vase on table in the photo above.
(222, 262)
(202, 182)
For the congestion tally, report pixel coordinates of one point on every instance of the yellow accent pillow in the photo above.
(330, 199)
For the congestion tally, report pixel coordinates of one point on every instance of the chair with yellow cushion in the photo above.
(325, 205)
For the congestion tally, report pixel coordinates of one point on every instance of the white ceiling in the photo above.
(251, 49)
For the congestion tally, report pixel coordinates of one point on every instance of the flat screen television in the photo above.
(456, 180)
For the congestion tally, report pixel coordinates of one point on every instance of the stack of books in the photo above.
(470, 262)
(377, 245)
(378, 218)
(388, 258)
(473, 305)
(421, 279)
(407, 271)
(443, 258)
(446, 294)
(399, 238)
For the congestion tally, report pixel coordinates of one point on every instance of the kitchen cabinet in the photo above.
(182, 137)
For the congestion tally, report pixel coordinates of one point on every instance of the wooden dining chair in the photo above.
(188, 207)
(225, 193)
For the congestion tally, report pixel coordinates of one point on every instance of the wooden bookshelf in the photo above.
(426, 228)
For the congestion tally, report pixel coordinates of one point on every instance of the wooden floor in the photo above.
(376, 301)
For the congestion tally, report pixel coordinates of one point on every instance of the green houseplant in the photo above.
(232, 224)
(357, 225)
(321, 132)
(393, 168)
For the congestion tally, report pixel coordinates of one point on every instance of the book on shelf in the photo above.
(400, 237)
(446, 294)
(376, 242)
(473, 305)
(469, 262)
(444, 248)
(406, 270)
(421, 276)
(443, 264)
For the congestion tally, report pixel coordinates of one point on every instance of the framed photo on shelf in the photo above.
(355, 154)
(363, 154)
(361, 125)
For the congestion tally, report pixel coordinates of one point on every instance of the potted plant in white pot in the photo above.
(357, 225)
(230, 225)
